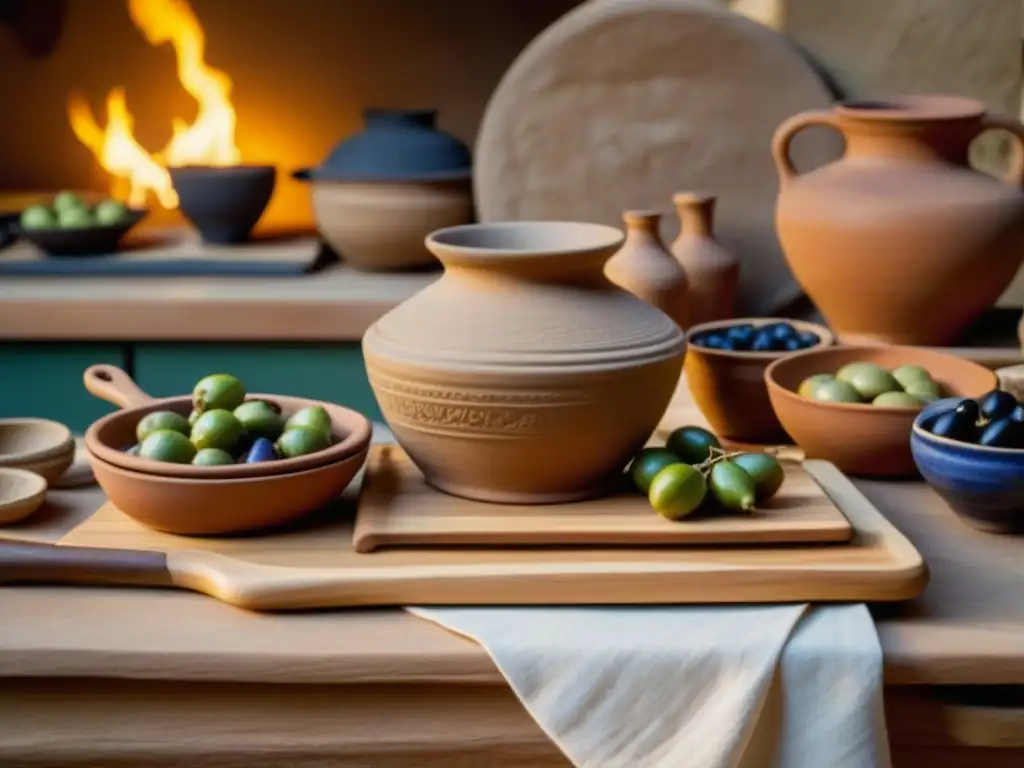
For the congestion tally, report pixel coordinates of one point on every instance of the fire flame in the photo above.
(209, 140)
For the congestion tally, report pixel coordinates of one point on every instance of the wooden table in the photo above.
(130, 677)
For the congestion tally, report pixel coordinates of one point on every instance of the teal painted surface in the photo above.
(331, 372)
(45, 381)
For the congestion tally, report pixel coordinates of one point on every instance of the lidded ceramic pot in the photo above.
(381, 191)
(645, 268)
(523, 375)
(900, 241)
(712, 271)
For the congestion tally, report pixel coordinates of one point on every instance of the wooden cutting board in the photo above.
(398, 509)
(316, 566)
(620, 103)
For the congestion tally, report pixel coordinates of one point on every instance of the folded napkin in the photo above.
(778, 686)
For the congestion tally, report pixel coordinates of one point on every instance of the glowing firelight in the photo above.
(209, 140)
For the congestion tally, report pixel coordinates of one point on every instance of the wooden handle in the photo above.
(110, 383)
(1015, 174)
(46, 563)
(786, 132)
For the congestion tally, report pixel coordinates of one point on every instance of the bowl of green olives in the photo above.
(971, 452)
(855, 405)
(70, 226)
(220, 460)
(725, 364)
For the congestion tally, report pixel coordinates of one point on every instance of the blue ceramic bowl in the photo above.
(984, 486)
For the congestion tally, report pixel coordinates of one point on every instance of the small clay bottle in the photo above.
(644, 267)
(712, 271)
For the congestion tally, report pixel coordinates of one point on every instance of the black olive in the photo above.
(783, 331)
(1002, 433)
(793, 344)
(956, 426)
(808, 339)
(741, 335)
(727, 344)
(1018, 414)
(997, 404)
(763, 342)
(712, 341)
(968, 409)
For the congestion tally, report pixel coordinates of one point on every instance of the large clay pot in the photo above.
(380, 192)
(523, 375)
(901, 241)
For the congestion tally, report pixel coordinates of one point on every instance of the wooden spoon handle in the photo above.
(110, 383)
(46, 563)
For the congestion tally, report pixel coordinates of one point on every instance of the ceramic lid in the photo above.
(395, 145)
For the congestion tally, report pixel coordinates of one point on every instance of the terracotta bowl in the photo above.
(983, 485)
(108, 437)
(862, 439)
(191, 507)
(381, 225)
(21, 493)
(728, 386)
(37, 445)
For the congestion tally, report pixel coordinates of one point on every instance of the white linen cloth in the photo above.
(776, 686)
(754, 686)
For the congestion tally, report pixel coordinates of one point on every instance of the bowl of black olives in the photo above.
(725, 364)
(971, 451)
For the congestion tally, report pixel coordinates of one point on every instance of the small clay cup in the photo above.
(863, 439)
(191, 507)
(21, 493)
(108, 437)
(224, 203)
(728, 386)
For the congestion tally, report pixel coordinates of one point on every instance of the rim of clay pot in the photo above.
(310, 175)
(774, 384)
(510, 240)
(222, 170)
(911, 107)
(825, 337)
(946, 442)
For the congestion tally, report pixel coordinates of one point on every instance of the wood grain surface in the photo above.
(398, 509)
(316, 566)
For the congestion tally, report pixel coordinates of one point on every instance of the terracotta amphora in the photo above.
(900, 241)
(523, 375)
(712, 271)
(645, 268)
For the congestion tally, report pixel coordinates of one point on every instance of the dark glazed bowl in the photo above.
(81, 241)
(983, 485)
(224, 203)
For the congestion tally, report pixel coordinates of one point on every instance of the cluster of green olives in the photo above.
(746, 337)
(995, 420)
(908, 386)
(225, 428)
(69, 211)
(692, 469)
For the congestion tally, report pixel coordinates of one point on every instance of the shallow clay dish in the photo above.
(37, 445)
(98, 240)
(190, 507)
(729, 386)
(21, 494)
(108, 437)
(863, 439)
(983, 485)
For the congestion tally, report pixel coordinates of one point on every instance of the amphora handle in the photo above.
(1015, 174)
(786, 132)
